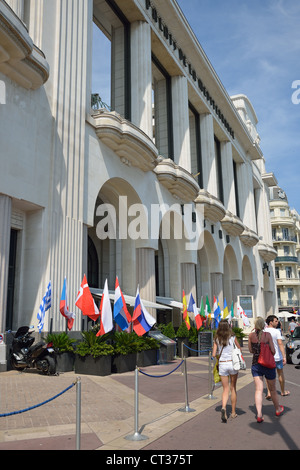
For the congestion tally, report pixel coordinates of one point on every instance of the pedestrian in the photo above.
(292, 325)
(223, 346)
(280, 357)
(259, 371)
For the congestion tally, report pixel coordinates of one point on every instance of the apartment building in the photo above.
(80, 188)
(286, 239)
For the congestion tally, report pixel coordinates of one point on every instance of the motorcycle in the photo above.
(24, 354)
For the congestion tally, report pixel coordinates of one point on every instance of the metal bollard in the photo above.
(78, 412)
(210, 377)
(187, 408)
(136, 436)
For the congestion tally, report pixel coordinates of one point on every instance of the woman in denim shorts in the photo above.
(259, 372)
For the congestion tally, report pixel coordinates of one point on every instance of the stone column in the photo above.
(188, 280)
(5, 217)
(141, 77)
(17, 6)
(209, 166)
(181, 132)
(217, 286)
(145, 275)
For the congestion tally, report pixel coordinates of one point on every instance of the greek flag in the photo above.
(45, 305)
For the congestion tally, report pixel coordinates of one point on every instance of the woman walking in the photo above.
(259, 371)
(223, 346)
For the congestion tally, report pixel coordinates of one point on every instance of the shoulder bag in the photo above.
(216, 375)
(238, 362)
(266, 358)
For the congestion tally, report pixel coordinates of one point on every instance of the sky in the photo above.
(254, 47)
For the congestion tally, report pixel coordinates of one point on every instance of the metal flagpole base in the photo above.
(136, 437)
(210, 397)
(187, 409)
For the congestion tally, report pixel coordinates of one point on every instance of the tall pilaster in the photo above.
(227, 171)
(217, 286)
(181, 123)
(5, 217)
(188, 280)
(209, 166)
(141, 77)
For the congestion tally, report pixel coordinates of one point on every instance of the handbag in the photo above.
(238, 362)
(216, 375)
(266, 358)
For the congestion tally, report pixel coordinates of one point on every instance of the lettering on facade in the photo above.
(296, 94)
(183, 59)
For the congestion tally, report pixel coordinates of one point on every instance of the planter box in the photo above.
(93, 366)
(123, 363)
(65, 362)
(147, 358)
(193, 346)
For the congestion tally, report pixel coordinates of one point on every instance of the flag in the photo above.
(217, 311)
(85, 301)
(142, 320)
(201, 316)
(106, 323)
(45, 305)
(207, 309)
(121, 315)
(225, 311)
(242, 315)
(231, 311)
(64, 306)
(185, 312)
(193, 308)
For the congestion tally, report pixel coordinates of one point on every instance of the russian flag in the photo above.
(121, 314)
(64, 306)
(142, 320)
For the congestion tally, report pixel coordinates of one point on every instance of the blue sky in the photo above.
(254, 47)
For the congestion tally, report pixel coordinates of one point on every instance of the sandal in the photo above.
(259, 420)
(223, 416)
(233, 415)
(285, 394)
(268, 397)
(278, 413)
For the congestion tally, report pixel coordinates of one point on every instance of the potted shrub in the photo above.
(146, 351)
(63, 346)
(239, 334)
(167, 330)
(182, 336)
(93, 355)
(125, 349)
(193, 341)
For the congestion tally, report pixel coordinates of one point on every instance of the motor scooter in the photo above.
(24, 354)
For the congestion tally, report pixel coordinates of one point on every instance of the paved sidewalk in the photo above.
(107, 412)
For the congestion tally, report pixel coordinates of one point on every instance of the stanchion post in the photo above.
(136, 436)
(187, 408)
(78, 412)
(210, 376)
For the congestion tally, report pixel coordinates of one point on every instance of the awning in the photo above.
(170, 302)
(130, 300)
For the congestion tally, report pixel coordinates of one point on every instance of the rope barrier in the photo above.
(163, 375)
(196, 350)
(40, 404)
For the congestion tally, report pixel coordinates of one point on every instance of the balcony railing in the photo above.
(286, 259)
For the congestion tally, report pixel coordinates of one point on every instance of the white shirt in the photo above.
(227, 350)
(276, 335)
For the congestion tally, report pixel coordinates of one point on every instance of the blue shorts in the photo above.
(279, 364)
(260, 371)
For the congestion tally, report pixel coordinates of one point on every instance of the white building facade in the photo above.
(174, 140)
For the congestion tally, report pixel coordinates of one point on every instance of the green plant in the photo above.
(96, 350)
(61, 342)
(193, 335)
(125, 343)
(182, 331)
(238, 332)
(167, 330)
(145, 343)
